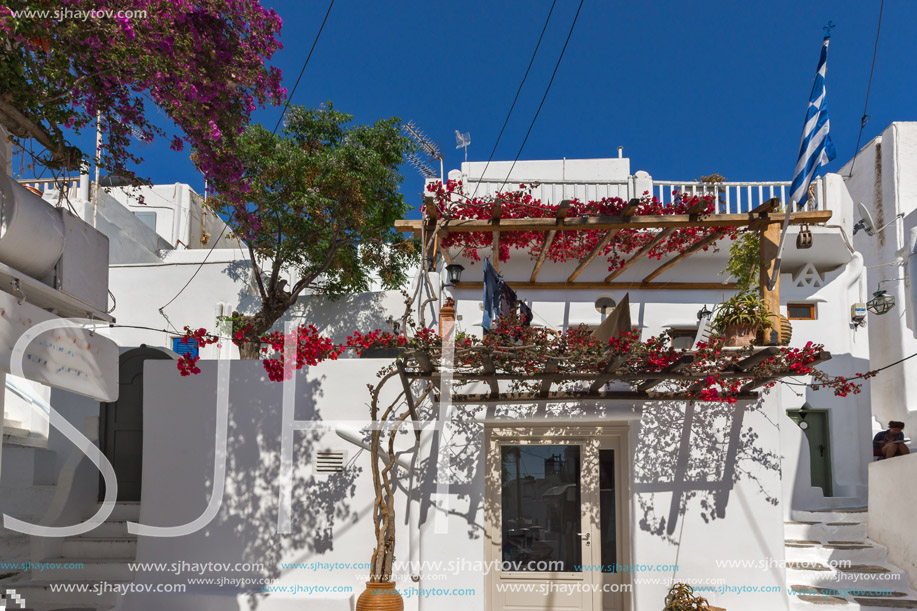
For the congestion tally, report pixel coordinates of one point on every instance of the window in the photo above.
(682, 339)
(801, 311)
(190, 347)
(147, 218)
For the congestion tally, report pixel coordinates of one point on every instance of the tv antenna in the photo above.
(427, 145)
(462, 140)
(420, 165)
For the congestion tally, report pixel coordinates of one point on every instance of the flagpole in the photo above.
(815, 150)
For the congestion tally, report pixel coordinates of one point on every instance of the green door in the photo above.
(815, 426)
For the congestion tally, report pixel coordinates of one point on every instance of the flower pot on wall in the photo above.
(380, 596)
(739, 336)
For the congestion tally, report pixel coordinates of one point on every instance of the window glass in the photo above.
(541, 512)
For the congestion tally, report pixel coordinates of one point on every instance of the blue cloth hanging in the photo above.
(493, 285)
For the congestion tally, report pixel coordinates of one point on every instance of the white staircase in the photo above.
(833, 566)
(87, 561)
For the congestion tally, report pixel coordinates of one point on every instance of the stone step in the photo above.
(28, 466)
(821, 531)
(849, 603)
(14, 428)
(849, 577)
(867, 552)
(99, 569)
(854, 514)
(38, 596)
(124, 512)
(100, 547)
(110, 528)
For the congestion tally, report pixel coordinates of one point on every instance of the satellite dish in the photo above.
(866, 223)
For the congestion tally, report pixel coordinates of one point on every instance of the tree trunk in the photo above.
(261, 323)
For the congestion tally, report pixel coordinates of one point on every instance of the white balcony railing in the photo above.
(737, 197)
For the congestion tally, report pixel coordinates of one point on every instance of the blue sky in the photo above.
(687, 88)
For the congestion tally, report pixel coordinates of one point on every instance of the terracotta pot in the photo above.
(380, 596)
(739, 336)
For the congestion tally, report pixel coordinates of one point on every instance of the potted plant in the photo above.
(740, 317)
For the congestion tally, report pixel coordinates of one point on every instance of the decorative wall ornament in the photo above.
(808, 276)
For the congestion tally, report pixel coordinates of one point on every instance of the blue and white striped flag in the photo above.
(815, 149)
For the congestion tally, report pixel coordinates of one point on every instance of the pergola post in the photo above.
(770, 241)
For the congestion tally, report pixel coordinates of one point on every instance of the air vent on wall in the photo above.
(330, 461)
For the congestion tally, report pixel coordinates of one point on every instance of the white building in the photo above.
(734, 499)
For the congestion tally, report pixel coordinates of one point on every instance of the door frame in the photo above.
(142, 353)
(792, 414)
(498, 434)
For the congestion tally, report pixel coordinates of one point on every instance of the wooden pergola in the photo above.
(424, 365)
(765, 218)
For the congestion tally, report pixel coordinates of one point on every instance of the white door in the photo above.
(555, 520)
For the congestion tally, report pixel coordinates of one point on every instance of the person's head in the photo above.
(895, 427)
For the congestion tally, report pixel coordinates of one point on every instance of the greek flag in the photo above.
(816, 148)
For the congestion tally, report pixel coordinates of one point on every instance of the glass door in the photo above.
(554, 521)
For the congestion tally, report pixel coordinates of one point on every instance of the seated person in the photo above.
(891, 442)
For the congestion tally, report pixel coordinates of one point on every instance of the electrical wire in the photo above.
(305, 63)
(865, 118)
(515, 99)
(545, 96)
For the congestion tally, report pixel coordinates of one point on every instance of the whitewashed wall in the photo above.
(884, 180)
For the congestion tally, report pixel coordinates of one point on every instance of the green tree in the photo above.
(321, 203)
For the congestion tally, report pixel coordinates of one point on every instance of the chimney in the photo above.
(447, 317)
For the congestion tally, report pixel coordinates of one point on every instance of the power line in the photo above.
(515, 99)
(865, 118)
(305, 63)
(274, 131)
(551, 82)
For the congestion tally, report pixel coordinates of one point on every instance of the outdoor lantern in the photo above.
(704, 313)
(803, 412)
(880, 303)
(454, 274)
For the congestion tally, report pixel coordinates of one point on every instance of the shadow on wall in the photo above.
(251, 503)
(697, 452)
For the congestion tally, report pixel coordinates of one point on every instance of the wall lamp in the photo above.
(453, 274)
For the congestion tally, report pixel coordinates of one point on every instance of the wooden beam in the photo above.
(430, 207)
(597, 223)
(760, 210)
(756, 359)
(607, 376)
(707, 241)
(770, 241)
(645, 249)
(566, 396)
(408, 394)
(549, 368)
(765, 207)
(561, 213)
(489, 370)
(495, 240)
(627, 212)
(627, 286)
(423, 361)
(823, 356)
(675, 367)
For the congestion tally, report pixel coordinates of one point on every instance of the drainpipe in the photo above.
(911, 299)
